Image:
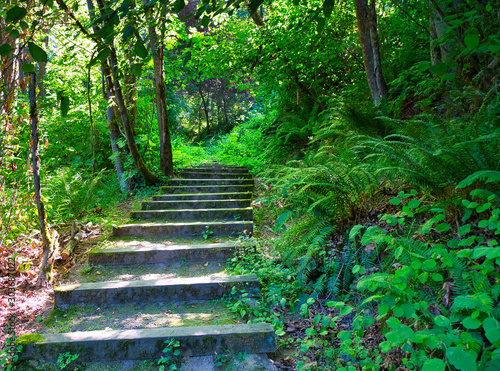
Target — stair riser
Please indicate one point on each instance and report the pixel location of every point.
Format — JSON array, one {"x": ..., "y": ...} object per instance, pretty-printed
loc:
[
  {"x": 174, "y": 230},
  {"x": 177, "y": 205},
  {"x": 207, "y": 189},
  {"x": 215, "y": 170},
  {"x": 213, "y": 175},
  {"x": 203, "y": 196},
  {"x": 180, "y": 215},
  {"x": 159, "y": 256},
  {"x": 148, "y": 344},
  {"x": 209, "y": 182},
  {"x": 150, "y": 294}
]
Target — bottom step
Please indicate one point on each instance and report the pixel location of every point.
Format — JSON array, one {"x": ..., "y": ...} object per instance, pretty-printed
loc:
[{"x": 146, "y": 344}]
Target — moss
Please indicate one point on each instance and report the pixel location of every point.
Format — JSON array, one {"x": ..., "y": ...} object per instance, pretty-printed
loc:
[
  {"x": 54, "y": 313},
  {"x": 29, "y": 339},
  {"x": 95, "y": 251}
]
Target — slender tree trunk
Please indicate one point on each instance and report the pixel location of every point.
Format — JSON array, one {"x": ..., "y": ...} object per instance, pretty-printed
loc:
[
  {"x": 112, "y": 79},
  {"x": 205, "y": 107},
  {"x": 114, "y": 133},
  {"x": 166, "y": 158},
  {"x": 148, "y": 176},
  {"x": 47, "y": 251},
  {"x": 368, "y": 36}
]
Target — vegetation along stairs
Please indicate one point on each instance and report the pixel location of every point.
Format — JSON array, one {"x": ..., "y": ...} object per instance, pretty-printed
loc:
[{"x": 149, "y": 265}]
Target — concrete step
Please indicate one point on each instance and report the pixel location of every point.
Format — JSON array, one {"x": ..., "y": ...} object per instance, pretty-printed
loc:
[
  {"x": 212, "y": 175},
  {"x": 148, "y": 344},
  {"x": 194, "y": 214},
  {"x": 209, "y": 182},
  {"x": 154, "y": 253},
  {"x": 195, "y": 204},
  {"x": 191, "y": 289},
  {"x": 208, "y": 189},
  {"x": 188, "y": 229},
  {"x": 204, "y": 196},
  {"x": 216, "y": 169}
]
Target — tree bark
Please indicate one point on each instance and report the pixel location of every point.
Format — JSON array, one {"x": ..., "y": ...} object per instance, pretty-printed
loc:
[
  {"x": 166, "y": 158},
  {"x": 148, "y": 176},
  {"x": 47, "y": 245},
  {"x": 368, "y": 35},
  {"x": 205, "y": 108},
  {"x": 113, "y": 83}
]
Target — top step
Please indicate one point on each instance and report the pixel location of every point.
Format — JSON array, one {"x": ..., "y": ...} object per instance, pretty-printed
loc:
[
  {"x": 213, "y": 175},
  {"x": 215, "y": 169}
]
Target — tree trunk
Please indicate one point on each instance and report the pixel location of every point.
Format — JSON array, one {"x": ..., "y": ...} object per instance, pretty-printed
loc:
[
  {"x": 148, "y": 176},
  {"x": 111, "y": 75},
  {"x": 205, "y": 107},
  {"x": 114, "y": 135},
  {"x": 47, "y": 248},
  {"x": 166, "y": 158},
  {"x": 368, "y": 35}
]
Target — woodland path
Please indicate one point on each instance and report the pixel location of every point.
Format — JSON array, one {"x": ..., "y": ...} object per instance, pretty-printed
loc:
[{"x": 162, "y": 278}]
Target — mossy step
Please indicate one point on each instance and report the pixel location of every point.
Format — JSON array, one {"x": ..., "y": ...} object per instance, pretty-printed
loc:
[
  {"x": 208, "y": 189},
  {"x": 137, "y": 315},
  {"x": 146, "y": 344},
  {"x": 172, "y": 290},
  {"x": 194, "y": 214},
  {"x": 152, "y": 253},
  {"x": 209, "y": 182},
  {"x": 188, "y": 229},
  {"x": 204, "y": 196},
  {"x": 216, "y": 170},
  {"x": 150, "y": 271},
  {"x": 195, "y": 204},
  {"x": 213, "y": 175}
]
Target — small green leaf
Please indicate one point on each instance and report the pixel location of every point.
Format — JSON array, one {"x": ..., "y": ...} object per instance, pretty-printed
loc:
[
  {"x": 471, "y": 323},
  {"x": 140, "y": 49},
  {"x": 37, "y": 53},
  {"x": 443, "y": 227},
  {"x": 413, "y": 204},
  {"x": 398, "y": 312},
  {"x": 436, "y": 277},
  {"x": 471, "y": 41},
  {"x": 137, "y": 69},
  {"x": 464, "y": 229},
  {"x": 178, "y": 6},
  {"x": 354, "y": 231},
  {"x": 328, "y": 6},
  {"x": 463, "y": 360},
  {"x": 395, "y": 201},
  {"x": 205, "y": 21},
  {"x": 492, "y": 329},
  {"x": 16, "y": 13},
  {"x": 434, "y": 364},
  {"x": 346, "y": 310},
  {"x": 5, "y": 49}
]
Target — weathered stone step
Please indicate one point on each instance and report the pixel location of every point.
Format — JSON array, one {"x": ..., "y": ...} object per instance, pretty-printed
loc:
[
  {"x": 209, "y": 182},
  {"x": 212, "y": 175},
  {"x": 194, "y": 214},
  {"x": 188, "y": 229},
  {"x": 173, "y": 290},
  {"x": 195, "y": 204},
  {"x": 142, "y": 344},
  {"x": 204, "y": 196},
  {"x": 153, "y": 253},
  {"x": 207, "y": 189},
  {"x": 216, "y": 169}
]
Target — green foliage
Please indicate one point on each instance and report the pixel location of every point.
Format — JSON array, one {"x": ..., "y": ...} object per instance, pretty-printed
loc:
[
  {"x": 73, "y": 193},
  {"x": 65, "y": 359},
  {"x": 169, "y": 359}
]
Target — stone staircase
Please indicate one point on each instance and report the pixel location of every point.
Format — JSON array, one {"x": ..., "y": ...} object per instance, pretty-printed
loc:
[{"x": 211, "y": 201}]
